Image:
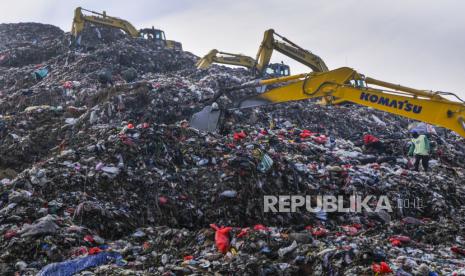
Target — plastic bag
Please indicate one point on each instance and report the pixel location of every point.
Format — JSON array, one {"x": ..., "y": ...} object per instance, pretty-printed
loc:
[
  {"x": 73, "y": 266},
  {"x": 221, "y": 238}
]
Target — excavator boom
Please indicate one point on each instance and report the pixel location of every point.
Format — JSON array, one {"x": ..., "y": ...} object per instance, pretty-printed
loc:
[
  {"x": 100, "y": 19},
  {"x": 215, "y": 56},
  {"x": 288, "y": 48},
  {"x": 348, "y": 85}
]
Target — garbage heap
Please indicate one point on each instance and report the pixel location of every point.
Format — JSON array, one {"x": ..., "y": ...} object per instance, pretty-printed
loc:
[{"x": 100, "y": 174}]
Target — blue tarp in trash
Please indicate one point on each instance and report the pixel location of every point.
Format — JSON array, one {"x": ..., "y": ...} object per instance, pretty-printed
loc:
[
  {"x": 70, "y": 267},
  {"x": 41, "y": 73}
]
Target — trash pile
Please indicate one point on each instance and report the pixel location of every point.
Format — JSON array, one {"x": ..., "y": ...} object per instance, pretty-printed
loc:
[{"x": 101, "y": 173}]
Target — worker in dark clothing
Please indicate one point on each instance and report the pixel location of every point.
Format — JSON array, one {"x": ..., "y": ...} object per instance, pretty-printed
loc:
[
  {"x": 373, "y": 143},
  {"x": 420, "y": 148}
]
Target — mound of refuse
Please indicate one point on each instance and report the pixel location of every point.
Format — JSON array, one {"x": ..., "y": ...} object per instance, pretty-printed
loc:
[{"x": 100, "y": 173}]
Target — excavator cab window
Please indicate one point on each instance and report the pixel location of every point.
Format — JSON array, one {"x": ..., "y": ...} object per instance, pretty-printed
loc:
[
  {"x": 285, "y": 71},
  {"x": 278, "y": 70},
  {"x": 153, "y": 34},
  {"x": 269, "y": 71},
  {"x": 160, "y": 35},
  {"x": 358, "y": 83}
]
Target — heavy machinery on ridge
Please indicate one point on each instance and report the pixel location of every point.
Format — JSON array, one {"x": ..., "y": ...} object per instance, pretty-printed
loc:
[
  {"x": 287, "y": 48},
  {"x": 215, "y": 56},
  {"x": 261, "y": 66},
  {"x": 102, "y": 19}
]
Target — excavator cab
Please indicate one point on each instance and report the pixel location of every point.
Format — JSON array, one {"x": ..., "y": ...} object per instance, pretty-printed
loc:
[
  {"x": 277, "y": 70},
  {"x": 159, "y": 37},
  {"x": 152, "y": 33},
  {"x": 156, "y": 35}
]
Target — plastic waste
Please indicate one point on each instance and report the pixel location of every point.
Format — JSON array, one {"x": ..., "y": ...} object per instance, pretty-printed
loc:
[
  {"x": 68, "y": 268},
  {"x": 285, "y": 250},
  {"x": 381, "y": 268},
  {"x": 265, "y": 163},
  {"x": 221, "y": 238}
]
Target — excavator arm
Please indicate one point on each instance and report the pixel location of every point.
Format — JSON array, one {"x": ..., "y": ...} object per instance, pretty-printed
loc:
[
  {"x": 100, "y": 19},
  {"x": 346, "y": 84},
  {"x": 288, "y": 48},
  {"x": 103, "y": 19},
  {"x": 215, "y": 56}
]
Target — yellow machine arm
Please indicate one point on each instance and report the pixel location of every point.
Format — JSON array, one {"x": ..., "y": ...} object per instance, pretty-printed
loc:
[
  {"x": 346, "y": 84},
  {"x": 114, "y": 22},
  {"x": 289, "y": 49},
  {"x": 100, "y": 19},
  {"x": 215, "y": 56}
]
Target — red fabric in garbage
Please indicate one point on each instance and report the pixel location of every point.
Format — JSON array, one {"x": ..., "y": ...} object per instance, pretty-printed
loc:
[
  {"x": 399, "y": 240},
  {"x": 243, "y": 232},
  {"x": 457, "y": 250},
  {"x": 221, "y": 237},
  {"x": 9, "y": 234},
  {"x": 368, "y": 139},
  {"x": 381, "y": 268},
  {"x": 319, "y": 232},
  {"x": 305, "y": 133},
  {"x": 321, "y": 139},
  {"x": 89, "y": 238},
  {"x": 94, "y": 250},
  {"x": 239, "y": 135},
  {"x": 259, "y": 227},
  {"x": 68, "y": 85},
  {"x": 162, "y": 200}
]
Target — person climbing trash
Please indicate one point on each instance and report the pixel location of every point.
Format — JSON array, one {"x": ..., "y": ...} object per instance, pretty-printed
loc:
[
  {"x": 372, "y": 143},
  {"x": 420, "y": 148}
]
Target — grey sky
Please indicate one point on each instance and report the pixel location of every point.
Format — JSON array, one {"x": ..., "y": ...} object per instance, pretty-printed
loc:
[{"x": 417, "y": 43}]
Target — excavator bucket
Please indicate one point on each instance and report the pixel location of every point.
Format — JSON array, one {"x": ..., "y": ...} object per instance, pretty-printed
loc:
[{"x": 207, "y": 119}]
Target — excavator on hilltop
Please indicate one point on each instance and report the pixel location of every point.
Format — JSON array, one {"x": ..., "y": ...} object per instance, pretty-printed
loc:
[
  {"x": 348, "y": 85},
  {"x": 261, "y": 66},
  {"x": 102, "y": 19},
  {"x": 215, "y": 56},
  {"x": 287, "y": 48}
]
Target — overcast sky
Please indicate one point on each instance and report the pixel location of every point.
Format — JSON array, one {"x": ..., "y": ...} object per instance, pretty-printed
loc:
[{"x": 417, "y": 43}]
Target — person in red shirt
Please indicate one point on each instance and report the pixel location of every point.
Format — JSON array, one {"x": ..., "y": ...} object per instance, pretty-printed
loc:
[{"x": 372, "y": 143}]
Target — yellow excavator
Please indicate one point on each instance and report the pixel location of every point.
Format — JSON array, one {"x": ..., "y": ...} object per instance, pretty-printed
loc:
[
  {"x": 102, "y": 19},
  {"x": 261, "y": 66},
  {"x": 287, "y": 48},
  {"x": 348, "y": 85},
  {"x": 215, "y": 56}
]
